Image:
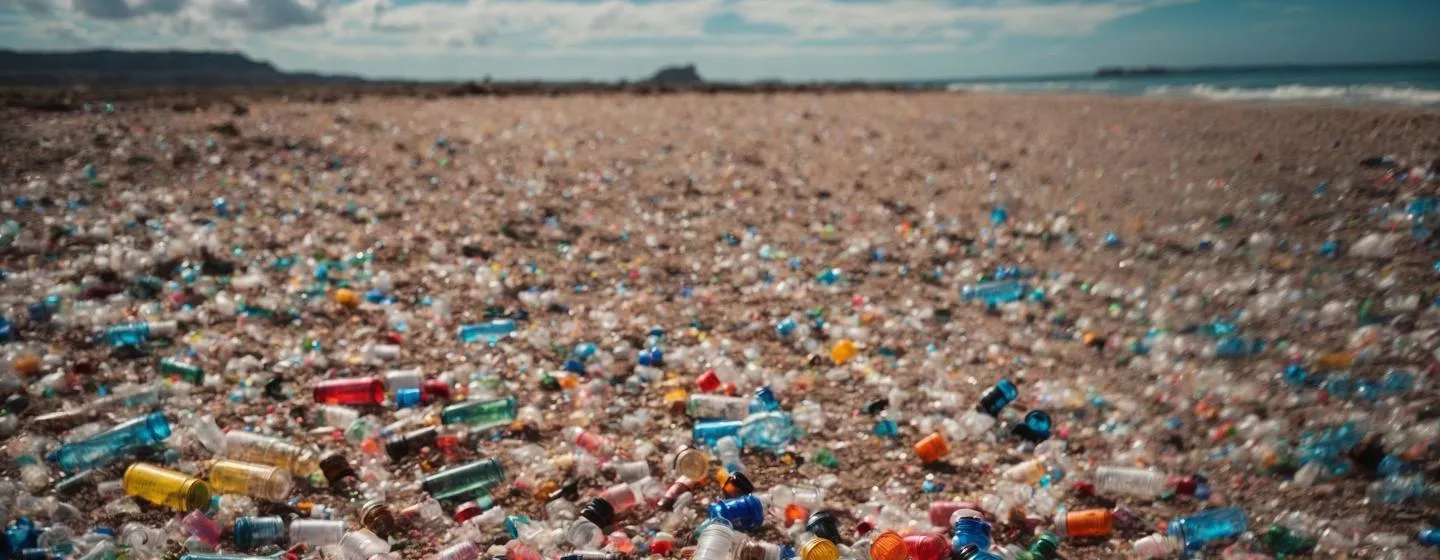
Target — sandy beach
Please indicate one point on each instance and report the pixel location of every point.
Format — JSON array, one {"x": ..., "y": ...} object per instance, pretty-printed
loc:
[{"x": 604, "y": 216}]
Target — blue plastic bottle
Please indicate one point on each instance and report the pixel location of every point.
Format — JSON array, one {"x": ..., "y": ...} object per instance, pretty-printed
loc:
[
  {"x": 255, "y": 532},
  {"x": 970, "y": 531},
  {"x": 1429, "y": 537},
  {"x": 1209, "y": 525},
  {"x": 994, "y": 293},
  {"x": 490, "y": 331},
  {"x": 707, "y": 433},
  {"x": 767, "y": 430},
  {"x": 1236, "y": 347},
  {"x": 994, "y": 399},
  {"x": 131, "y": 334},
  {"x": 764, "y": 401},
  {"x": 744, "y": 513},
  {"x": 111, "y": 445}
]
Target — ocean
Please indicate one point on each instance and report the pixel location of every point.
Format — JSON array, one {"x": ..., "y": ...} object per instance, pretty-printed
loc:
[{"x": 1415, "y": 85}]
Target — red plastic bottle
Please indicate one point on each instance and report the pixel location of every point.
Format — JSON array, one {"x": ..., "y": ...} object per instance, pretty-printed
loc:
[
  {"x": 927, "y": 546},
  {"x": 354, "y": 391}
]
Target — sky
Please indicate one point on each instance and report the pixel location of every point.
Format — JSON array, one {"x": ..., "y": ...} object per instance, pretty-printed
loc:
[{"x": 737, "y": 40}]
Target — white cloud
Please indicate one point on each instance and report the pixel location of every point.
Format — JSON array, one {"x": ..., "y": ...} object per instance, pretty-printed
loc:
[{"x": 357, "y": 29}]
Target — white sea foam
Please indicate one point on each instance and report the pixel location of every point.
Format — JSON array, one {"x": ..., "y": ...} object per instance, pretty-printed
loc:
[
  {"x": 1360, "y": 94},
  {"x": 1352, "y": 94}
]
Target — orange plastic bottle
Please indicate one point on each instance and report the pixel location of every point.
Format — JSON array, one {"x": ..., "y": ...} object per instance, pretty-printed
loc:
[{"x": 931, "y": 449}]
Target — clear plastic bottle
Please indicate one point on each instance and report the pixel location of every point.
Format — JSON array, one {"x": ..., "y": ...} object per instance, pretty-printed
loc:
[
  {"x": 717, "y": 407},
  {"x": 464, "y": 550},
  {"x": 1157, "y": 546},
  {"x": 727, "y": 450},
  {"x": 249, "y": 479},
  {"x": 1124, "y": 481},
  {"x": 250, "y": 447},
  {"x": 362, "y": 545},
  {"x": 716, "y": 542},
  {"x": 316, "y": 532}
]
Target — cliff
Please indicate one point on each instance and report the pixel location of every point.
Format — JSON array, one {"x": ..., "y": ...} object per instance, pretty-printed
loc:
[{"x": 147, "y": 68}]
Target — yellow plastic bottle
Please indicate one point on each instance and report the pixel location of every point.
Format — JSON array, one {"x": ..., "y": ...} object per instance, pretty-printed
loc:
[{"x": 164, "y": 487}]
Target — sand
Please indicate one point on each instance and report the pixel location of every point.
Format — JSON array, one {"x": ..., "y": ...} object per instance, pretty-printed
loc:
[{"x": 619, "y": 204}]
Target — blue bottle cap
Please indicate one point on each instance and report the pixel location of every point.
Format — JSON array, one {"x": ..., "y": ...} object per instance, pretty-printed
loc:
[{"x": 406, "y": 398}]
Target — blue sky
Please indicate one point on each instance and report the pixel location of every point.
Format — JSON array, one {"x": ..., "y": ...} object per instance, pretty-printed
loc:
[{"x": 738, "y": 39}]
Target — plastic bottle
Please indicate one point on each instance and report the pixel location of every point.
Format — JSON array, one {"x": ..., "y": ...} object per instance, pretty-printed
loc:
[
  {"x": 1084, "y": 523},
  {"x": 767, "y": 430},
  {"x": 996, "y": 398},
  {"x": 254, "y": 532},
  {"x": 114, "y": 444},
  {"x": 249, "y": 479},
  {"x": 406, "y": 444},
  {"x": 717, "y": 407},
  {"x": 818, "y": 548},
  {"x": 1429, "y": 537},
  {"x": 588, "y": 530},
  {"x": 1125, "y": 481},
  {"x": 354, "y": 391},
  {"x": 131, "y": 334},
  {"x": 1031, "y": 471},
  {"x": 1045, "y": 547},
  {"x": 970, "y": 530},
  {"x": 743, "y": 513},
  {"x": 362, "y": 544},
  {"x": 248, "y": 447},
  {"x": 481, "y": 414},
  {"x": 202, "y": 528},
  {"x": 591, "y": 442},
  {"x": 727, "y": 450},
  {"x": 753, "y": 549},
  {"x": 164, "y": 487},
  {"x": 1157, "y": 546},
  {"x": 464, "y": 550},
  {"x": 186, "y": 371},
  {"x": 490, "y": 331},
  {"x": 691, "y": 463},
  {"x": 889, "y": 545},
  {"x": 375, "y": 515},
  {"x": 715, "y": 542},
  {"x": 316, "y": 532},
  {"x": 995, "y": 293},
  {"x": 940, "y": 512},
  {"x": 1210, "y": 525},
  {"x": 465, "y": 479},
  {"x": 927, "y": 546},
  {"x": 807, "y": 496},
  {"x": 707, "y": 433},
  {"x": 932, "y": 448}
]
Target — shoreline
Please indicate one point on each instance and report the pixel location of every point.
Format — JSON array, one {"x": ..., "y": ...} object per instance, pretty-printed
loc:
[{"x": 73, "y": 99}]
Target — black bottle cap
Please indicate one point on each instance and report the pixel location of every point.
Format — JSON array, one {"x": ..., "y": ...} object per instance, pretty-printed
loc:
[
  {"x": 599, "y": 511},
  {"x": 825, "y": 525},
  {"x": 738, "y": 485}
]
